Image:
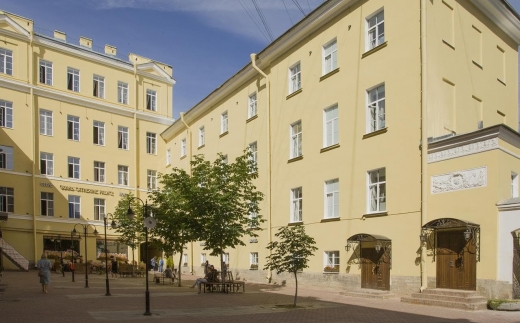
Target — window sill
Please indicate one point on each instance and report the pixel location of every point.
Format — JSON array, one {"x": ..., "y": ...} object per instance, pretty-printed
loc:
[
  {"x": 322, "y": 150},
  {"x": 448, "y": 44},
  {"x": 499, "y": 80},
  {"x": 169, "y": 165},
  {"x": 477, "y": 65},
  {"x": 201, "y": 146},
  {"x": 330, "y": 220},
  {"x": 294, "y": 93},
  {"x": 329, "y": 74},
  {"x": 182, "y": 157},
  {"x": 223, "y": 134},
  {"x": 375, "y": 214},
  {"x": 375, "y": 49},
  {"x": 292, "y": 160},
  {"x": 331, "y": 272},
  {"x": 375, "y": 133},
  {"x": 295, "y": 223},
  {"x": 253, "y": 268},
  {"x": 252, "y": 118}
]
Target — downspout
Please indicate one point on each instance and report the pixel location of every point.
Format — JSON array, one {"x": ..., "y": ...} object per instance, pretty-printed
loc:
[
  {"x": 189, "y": 156},
  {"x": 268, "y": 132},
  {"x": 424, "y": 144},
  {"x": 30, "y": 53}
]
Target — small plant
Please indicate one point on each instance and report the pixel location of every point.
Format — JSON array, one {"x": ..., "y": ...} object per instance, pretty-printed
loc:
[
  {"x": 331, "y": 269},
  {"x": 253, "y": 266},
  {"x": 185, "y": 264},
  {"x": 495, "y": 303}
]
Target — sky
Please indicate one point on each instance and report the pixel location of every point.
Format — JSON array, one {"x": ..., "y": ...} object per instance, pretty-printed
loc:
[{"x": 205, "y": 41}]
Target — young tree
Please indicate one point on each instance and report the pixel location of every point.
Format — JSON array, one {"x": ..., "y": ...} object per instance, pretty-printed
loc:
[{"x": 291, "y": 253}]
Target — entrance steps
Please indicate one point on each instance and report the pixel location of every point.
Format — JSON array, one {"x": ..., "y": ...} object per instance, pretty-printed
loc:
[
  {"x": 452, "y": 298},
  {"x": 13, "y": 255},
  {"x": 370, "y": 293}
]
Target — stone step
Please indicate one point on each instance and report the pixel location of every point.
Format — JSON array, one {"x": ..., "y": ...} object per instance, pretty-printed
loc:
[
  {"x": 445, "y": 303},
  {"x": 466, "y": 299},
  {"x": 373, "y": 294},
  {"x": 451, "y": 292}
]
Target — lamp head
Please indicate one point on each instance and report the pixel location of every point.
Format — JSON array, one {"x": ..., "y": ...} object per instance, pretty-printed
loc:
[
  {"x": 467, "y": 234},
  {"x": 378, "y": 246},
  {"x": 74, "y": 231},
  {"x": 113, "y": 224},
  {"x": 347, "y": 247},
  {"x": 96, "y": 232},
  {"x": 130, "y": 214},
  {"x": 423, "y": 238}
]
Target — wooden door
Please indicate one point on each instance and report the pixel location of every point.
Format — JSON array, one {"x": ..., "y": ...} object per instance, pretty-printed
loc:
[
  {"x": 456, "y": 261},
  {"x": 516, "y": 268},
  {"x": 375, "y": 269}
]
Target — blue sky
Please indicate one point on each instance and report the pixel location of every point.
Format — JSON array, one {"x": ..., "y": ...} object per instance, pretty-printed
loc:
[{"x": 205, "y": 41}]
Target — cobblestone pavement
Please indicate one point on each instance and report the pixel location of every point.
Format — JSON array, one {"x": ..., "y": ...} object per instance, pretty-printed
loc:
[{"x": 71, "y": 302}]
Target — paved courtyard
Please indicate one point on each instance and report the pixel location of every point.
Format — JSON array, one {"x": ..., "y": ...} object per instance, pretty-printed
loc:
[{"x": 69, "y": 302}]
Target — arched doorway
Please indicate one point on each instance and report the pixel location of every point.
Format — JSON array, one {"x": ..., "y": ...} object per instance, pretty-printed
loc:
[{"x": 516, "y": 263}]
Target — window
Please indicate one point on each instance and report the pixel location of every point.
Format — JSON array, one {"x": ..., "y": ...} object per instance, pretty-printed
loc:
[
  {"x": 251, "y": 110},
  {"x": 73, "y": 79},
  {"x": 98, "y": 87},
  {"x": 151, "y": 100},
  {"x": 45, "y": 122},
  {"x": 375, "y": 30},
  {"x": 168, "y": 157},
  {"x": 514, "y": 184},
  {"x": 377, "y": 190},
  {"x": 151, "y": 141},
  {"x": 224, "y": 122},
  {"x": 46, "y": 163},
  {"x": 331, "y": 135},
  {"x": 73, "y": 167},
  {"x": 74, "y": 207},
  {"x": 376, "y": 108},
  {"x": 183, "y": 147},
  {"x": 6, "y": 157},
  {"x": 45, "y": 72},
  {"x": 122, "y": 92},
  {"x": 202, "y": 138},
  {"x": 253, "y": 149},
  {"x": 73, "y": 128},
  {"x": 99, "y": 209},
  {"x": 152, "y": 179},
  {"x": 6, "y": 199},
  {"x": 295, "y": 78},
  {"x": 6, "y": 114},
  {"x": 122, "y": 175},
  {"x": 47, "y": 204},
  {"x": 332, "y": 199},
  {"x": 122, "y": 137},
  {"x": 99, "y": 133},
  {"x": 331, "y": 259},
  {"x": 253, "y": 260},
  {"x": 253, "y": 215},
  {"x": 296, "y": 139},
  {"x": 6, "y": 61},
  {"x": 99, "y": 172},
  {"x": 225, "y": 259},
  {"x": 203, "y": 258},
  {"x": 330, "y": 57},
  {"x": 296, "y": 204},
  {"x": 185, "y": 260}
]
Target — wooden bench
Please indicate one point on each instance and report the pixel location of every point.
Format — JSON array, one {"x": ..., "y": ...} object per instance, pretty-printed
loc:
[
  {"x": 235, "y": 285},
  {"x": 214, "y": 284},
  {"x": 161, "y": 277}
]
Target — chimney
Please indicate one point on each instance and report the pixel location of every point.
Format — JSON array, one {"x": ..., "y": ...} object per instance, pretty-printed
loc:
[
  {"x": 85, "y": 42},
  {"x": 110, "y": 50},
  {"x": 60, "y": 35}
]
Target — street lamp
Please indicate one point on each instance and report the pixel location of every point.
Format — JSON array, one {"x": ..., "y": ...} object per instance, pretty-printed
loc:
[
  {"x": 58, "y": 240},
  {"x": 71, "y": 266},
  {"x": 85, "y": 227},
  {"x": 113, "y": 225},
  {"x": 148, "y": 223}
]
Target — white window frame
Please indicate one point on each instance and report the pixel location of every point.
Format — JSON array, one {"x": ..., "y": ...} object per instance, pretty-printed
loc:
[
  {"x": 46, "y": 122},
  {"x": 203, "y": 258},
  {"x": 74, "y": 164},
  {"x": 99, "y": 133},
  {"x": 183, "y": 147},
  {"x": 252, "y": 108},
  {"x": 168, "y": 157},
  {"x": 151, "y": 100},
  {"x": 296, "y": 205},
  {"x": 99, "y": 209},
  {"x": 376, "y": 108},
  {"x": 331, "y": 199},
  {"x": 330, "y": 126},
  {"x": 253, "y": 259},
  {"x": 73, "y": 128},
  {"x": 225, "y": 258},
  {"x": 46, "y": 204},
  {"x": 514, "y": 185},
  {"x": 151, "y": 181},
  {"x": 6, "y": 199},
  {"x": 376, "y": 203},
  {"x": 331, "y": 258},
  {"x": 45, "y": 72},
  {"x": 185, "y": 260},
  {"x": 74, "y": 207},
  {"x": 122, "y": 138},
  {"x": 99, "y": 171},
  {"x": 122, "y": 175},
  {"x": 6, "y": 61},
  {"x": 73, "y": 80},
  {"x": 296, "y": 139},
  {"x": 98, "y": 86},
  {"x": 224, "y": 122},
  {"x": 6, "y": 157},
  {"x": 330, "y": 55},
  {"x": 375, "y": 35},
  {"x": 295, "y": 78},
  {"x": 6, "y": 114},
  {"x": 253, "y": 148},
  {"x": 47, "y": 160},
  {"x": 122, "y": 92},
  {"x": 202, "y": 136},
  {"x": 151, "y": 143}
]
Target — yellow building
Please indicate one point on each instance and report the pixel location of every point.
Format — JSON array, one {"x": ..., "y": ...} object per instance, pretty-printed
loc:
[
  {"x": 79, "y": 128},
  {"x": 368, "y": 176}
]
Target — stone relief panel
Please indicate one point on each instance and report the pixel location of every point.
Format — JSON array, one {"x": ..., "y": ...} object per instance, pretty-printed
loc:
[
  {"x": 461, "y": 180},
  {"x": 464, "y": 150}
]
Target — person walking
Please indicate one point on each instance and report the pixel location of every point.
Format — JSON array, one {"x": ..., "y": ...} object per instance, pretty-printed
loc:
[
  {"x": 44, "y": 272},
  {"x": 115, "y": 268},
  {"x": 161, "y": 265},
  {"x": 153, "y": 263}
]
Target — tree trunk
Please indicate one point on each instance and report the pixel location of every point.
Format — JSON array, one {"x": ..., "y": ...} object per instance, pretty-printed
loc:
[
  {"x": 296, "y": 291},
  {"x": 179, "y": 270}
]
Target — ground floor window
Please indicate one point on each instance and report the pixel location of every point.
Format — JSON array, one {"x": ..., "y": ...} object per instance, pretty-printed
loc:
[{"x": 117, "y": 249}]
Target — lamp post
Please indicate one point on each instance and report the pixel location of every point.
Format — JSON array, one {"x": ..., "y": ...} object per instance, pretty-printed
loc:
[
  {"x": 113, "y": 225},
  {"x": 61, "y": 253},
  {"x": 72, "y": 267},
  {"x": 85, "y": 227},
  {"x": 131, "y": 215}
]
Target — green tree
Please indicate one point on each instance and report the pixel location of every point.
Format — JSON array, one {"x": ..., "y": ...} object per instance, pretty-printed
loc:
[{"x": 291, "y": 253}]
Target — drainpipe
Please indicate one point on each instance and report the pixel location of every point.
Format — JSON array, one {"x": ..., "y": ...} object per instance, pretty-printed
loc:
[
  {"x": 189, "y": 156},
  {"x": 35, "y": 143},
  {"x": 424, "y": 144},
  {"x": 268, "y": 132}
]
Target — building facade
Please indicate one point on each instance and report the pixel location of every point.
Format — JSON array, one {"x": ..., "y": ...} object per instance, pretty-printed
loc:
[
  {"x": 79, "y": 128},
  {"x": 386, "y": 129}
]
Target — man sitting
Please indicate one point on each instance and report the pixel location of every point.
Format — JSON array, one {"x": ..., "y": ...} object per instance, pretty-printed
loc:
[{"x": 207, "y": 277}]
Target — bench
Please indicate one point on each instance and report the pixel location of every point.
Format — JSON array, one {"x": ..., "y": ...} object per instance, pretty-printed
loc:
[
  {"x": 214, "y": 284},
  {"x": 233, "y": 284},
  {"x": 161, "y": 277}
]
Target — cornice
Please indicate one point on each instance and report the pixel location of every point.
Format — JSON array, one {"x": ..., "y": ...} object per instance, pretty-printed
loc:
[
  {"x": 4, "y": 171},
  {"x": 502, "y": 15},
  {"x": 141, "y": 68},
  {"x": 22, "y": 33},
  {"x": 77, "y": 181}
]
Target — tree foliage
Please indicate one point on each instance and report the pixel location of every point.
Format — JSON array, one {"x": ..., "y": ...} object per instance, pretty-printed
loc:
[{"x": 131, "y": 232}]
